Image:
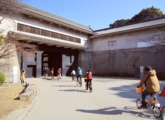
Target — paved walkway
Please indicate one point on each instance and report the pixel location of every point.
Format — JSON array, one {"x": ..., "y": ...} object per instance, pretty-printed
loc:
[{"x": 111, "y": 99}]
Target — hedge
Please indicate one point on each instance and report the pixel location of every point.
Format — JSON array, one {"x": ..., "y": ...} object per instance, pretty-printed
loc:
[{"x": 2, "y": 78}]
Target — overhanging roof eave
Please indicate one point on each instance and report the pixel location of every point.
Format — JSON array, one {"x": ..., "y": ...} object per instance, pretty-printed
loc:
[{"x": 124, "y": 31}]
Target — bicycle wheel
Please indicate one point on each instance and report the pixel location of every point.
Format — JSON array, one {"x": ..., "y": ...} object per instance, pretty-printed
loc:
[
  {"x": 157, "y": 112},
  {"x": 86, "y": 87},
  {"x": 163, "y": 113},
  {"x": 77, "y": 83},
  {"x": 90, "y": 88},
  {"x": 80, "y": 83},
  {"x": 139, "y": 103}
]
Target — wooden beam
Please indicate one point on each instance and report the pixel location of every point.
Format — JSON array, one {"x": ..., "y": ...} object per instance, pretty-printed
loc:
[
  {"x": 40, "y": 43},
  {"x": 58, "y": 45},
  {"x": 66, "y": 47},
  {"x": 49, "y": 44},
  {"x": 28, "y": 41},
  {"x": 73, "y": 48},
  {"x": 30, "y": 16}
]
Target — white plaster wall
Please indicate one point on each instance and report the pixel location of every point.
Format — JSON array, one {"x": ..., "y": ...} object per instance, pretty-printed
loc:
[
  {"x": 124, "y": 41},
  {"x": 6, "y": 25},
  {"x": 46, "y": 26}
]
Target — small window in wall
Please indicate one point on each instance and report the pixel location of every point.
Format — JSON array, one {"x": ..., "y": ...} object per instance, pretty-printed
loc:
[{"x": 111, "y": 43}]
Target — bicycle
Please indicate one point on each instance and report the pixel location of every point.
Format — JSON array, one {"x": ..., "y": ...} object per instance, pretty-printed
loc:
[
  {"x": 89, "y": 85},
  {"x": 58, "y": 77},
  {"x": 152, "y": 103},
  {"x": 163, "y": 113},
  {"x": 162, "y": 94},
  {"x": 79, "y": 82}
]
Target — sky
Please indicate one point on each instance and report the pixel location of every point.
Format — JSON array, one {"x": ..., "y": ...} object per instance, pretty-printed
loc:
[{"x": 97, "y": 14}]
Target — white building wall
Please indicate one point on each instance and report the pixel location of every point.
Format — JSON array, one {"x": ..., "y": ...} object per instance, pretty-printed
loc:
[
  {"x": 13, "y": 20},
  {"x": 126, "y": 40},
  {"x": 6, "y": 25},
  {"x": 9, "y": 23}
]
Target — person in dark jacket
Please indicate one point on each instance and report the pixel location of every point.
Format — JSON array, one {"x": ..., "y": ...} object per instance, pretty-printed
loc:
[
  {"x": 45, "y": 72},
  {"x": 152, "y": 84},
  {"x": 48, "y": 71},
  {"x": 88, "y": 77}
]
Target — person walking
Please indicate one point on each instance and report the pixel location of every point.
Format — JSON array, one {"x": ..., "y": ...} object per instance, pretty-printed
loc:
[
  {"x": 45, "y": 71},
  {"x": 48, "y": 71},
  {"x": 52, "y": 73},
  {"x": 73, "y": 73},
  {"x": 22, "y": 77}
]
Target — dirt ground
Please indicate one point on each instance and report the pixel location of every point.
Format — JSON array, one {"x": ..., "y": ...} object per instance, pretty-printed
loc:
[{"x": 9, "y": 98}]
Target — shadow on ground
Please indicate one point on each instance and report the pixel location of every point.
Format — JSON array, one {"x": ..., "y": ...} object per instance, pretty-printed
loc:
[
  {"x": 129, "y": 92},
  {"x": 116, "y": 111},
  {"x": 126, "y": 91},
  {"x": 73, "y": 90},
  {"x": 64, "y": 86}
]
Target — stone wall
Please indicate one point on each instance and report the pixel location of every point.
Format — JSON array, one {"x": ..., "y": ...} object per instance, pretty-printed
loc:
[
  {"x": 6, "y": 66},
  {"x": 124, "y": 60}
]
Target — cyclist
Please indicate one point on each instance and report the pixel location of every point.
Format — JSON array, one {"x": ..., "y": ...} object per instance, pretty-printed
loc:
[
  {"x": 151, "y": 82},
  {"x": 88, "y": 75},
  {"x": 79, "y": 74},
  {"x": 73, "y": 73}
]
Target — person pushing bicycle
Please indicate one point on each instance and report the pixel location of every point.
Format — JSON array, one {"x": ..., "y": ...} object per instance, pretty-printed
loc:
[
  {"x": 88, "y": 75},
  {"x": 151, "y": 83}
]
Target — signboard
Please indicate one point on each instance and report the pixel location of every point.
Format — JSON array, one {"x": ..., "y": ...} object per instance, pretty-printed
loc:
[{"x": 15, "y": 74}]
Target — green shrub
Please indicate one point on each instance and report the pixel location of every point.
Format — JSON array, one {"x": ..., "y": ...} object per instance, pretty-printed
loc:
[{"x": 2, "y": 78}]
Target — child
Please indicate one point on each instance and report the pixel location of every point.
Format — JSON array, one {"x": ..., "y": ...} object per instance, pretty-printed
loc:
[
  {"x": 73, "y": 73},
  {"x": 22, "y": 77},
  {"x": 52, "y": 73}
]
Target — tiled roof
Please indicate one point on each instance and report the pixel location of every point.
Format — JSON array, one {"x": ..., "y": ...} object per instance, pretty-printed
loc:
[
  {"x": 34, "y": 12},
  {"x": 133, "y": 27}
]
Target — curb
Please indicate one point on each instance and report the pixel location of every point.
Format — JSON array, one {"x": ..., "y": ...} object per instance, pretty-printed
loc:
[{"x": 20, "y": 117}]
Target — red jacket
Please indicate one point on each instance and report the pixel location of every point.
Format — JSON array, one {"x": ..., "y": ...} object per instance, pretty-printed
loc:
[
  {"x": 58, "y": 71},
  {"x": 88, "y": 75}
]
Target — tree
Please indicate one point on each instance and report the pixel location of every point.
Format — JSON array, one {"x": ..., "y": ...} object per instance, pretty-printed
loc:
[
  {"x": 118, "y": 23},
  {"x": 147, "y": 14},
  {"x": 143, "y": 15}
]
